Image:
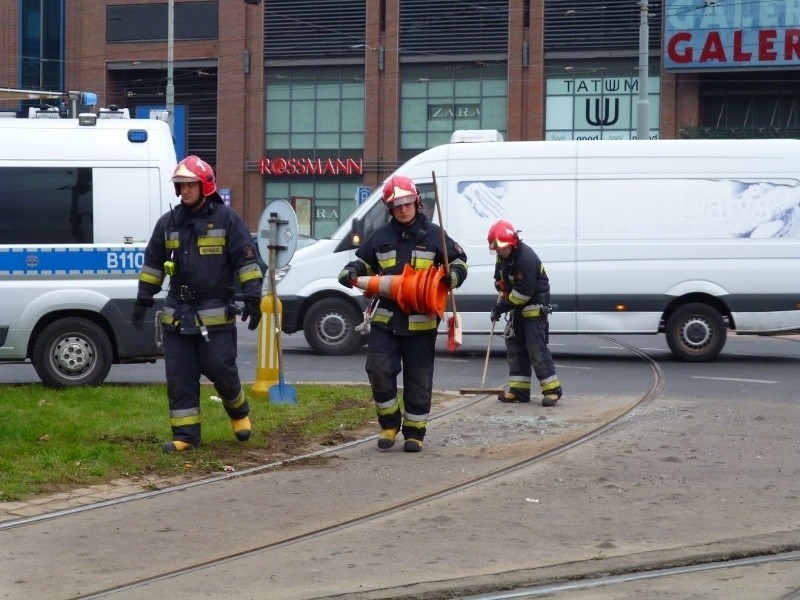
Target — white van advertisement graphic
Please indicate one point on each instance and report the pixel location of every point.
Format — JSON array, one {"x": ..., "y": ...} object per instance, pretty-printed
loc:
[{"x": 664, "y": 208}]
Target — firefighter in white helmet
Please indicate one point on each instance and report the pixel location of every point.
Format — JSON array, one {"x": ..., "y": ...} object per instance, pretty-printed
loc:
[
  {"x": 524, "y": 288},
  {"x": 201, "y": 245},
  {"x": 398, "y": 341}
]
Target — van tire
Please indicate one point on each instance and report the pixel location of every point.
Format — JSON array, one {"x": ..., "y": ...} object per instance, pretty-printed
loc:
[
  {"x": 330, "y": 327},
  {"x": 696, "y": 333},
  {"x": 72, "y": 352}
]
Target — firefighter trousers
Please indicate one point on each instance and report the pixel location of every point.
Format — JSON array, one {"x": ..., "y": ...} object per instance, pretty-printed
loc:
[
  {"x": 187, "y": 357},
  {"x": 388, "y": 355},
  {"x": 528, "y": 348}
]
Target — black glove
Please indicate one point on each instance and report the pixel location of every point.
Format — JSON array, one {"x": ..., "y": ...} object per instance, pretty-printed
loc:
[
  {"x": 252, "y": 311},
  {"x": 450, "y": 279},
  {"x": 347, "y": 276},
  {"x": 496, "y": 313},
  {"x": 139, "y": 310}
]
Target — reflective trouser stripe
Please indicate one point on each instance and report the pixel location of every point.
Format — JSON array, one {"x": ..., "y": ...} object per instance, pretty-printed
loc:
[
  {"x": 190, "y": 416},
  {"x": 387, "y": 408}
]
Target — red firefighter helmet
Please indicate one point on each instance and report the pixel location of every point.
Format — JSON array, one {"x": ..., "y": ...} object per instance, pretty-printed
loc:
[
  {"x": 399, "y": 190},
  {"x": 501, "y": 234},
  {"x": 192, "y": 169}
]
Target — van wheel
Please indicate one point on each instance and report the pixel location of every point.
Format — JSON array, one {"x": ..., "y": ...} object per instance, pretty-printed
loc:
[
  {"x": 330, "y": 327},
  {"x": 71, "y": 352},
  {"x": 695, "y": 333}
]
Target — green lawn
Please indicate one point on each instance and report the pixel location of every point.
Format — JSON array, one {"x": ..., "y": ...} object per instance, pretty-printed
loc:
[{"x": 56, "y": 439}]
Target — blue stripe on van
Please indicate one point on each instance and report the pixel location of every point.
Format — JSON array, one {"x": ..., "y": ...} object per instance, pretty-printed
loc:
[{"x": 71, "y": 261}]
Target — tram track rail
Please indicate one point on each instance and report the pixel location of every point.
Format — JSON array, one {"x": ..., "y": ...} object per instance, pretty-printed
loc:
[
  {"x": 644, "y": 570},
  {"x": 656, "y": 384}
]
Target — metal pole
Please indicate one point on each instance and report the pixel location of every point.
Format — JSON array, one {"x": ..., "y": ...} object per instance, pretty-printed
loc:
[
  {"x": 170, "y": 61},
  {"x": 643, "y": 105}
]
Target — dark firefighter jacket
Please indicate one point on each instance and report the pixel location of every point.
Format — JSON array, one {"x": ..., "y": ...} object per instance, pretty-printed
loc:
[
  {"x": 524, "y": 282},
  {"x": 391, "y": 247},
  {"x": 208, "y": 249}
]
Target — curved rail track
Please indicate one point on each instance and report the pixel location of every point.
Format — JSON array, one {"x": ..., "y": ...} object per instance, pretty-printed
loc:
[{"x": 657, "y": 382}]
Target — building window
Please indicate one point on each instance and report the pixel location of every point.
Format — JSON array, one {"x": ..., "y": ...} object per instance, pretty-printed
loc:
[
  {"x": 597, "y": 107},
  {"x": 315, "y": 109},
  {"x": 148, "y": 22},
  {"x": 41, "y": 44},
  {"x": 439, "y": 99},
  {"x": 316, "y": 113}
]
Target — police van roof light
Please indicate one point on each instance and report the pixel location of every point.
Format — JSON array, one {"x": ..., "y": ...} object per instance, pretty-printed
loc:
[
  {"x": 88, "y": 98},
  {"x": 137, "y": 136}
]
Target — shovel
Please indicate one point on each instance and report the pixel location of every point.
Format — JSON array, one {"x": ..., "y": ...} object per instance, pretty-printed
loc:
[{"x": 281, "y": 393}]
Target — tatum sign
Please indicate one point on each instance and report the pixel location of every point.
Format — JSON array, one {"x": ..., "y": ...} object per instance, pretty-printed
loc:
[{"x": 736, "y": 34}]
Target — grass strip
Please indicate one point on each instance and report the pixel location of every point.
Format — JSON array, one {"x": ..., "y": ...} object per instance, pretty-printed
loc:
[{"x": 58, "y": 439}]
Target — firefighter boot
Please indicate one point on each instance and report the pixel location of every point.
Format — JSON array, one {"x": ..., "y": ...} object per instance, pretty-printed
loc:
[
  {"x": 412, "y": 445},
  {"x": 511, "y": 397},
  {"x": 550, "y": 399},
  {"x": 386, "y": 438},
  {"x": 241, "y": 428},
  {"x": 175, "y": 446}
]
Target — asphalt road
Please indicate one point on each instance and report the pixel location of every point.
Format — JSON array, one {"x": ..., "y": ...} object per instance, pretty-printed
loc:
[{"x": 464, "y": 367}]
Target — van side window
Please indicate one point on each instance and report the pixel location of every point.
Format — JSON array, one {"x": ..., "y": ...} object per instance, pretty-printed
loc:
[
  {"x": 428, "y": 201},
  {"x": 47, "y": 205}
]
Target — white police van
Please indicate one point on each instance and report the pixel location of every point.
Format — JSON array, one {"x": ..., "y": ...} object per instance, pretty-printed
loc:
[
  {"x": 689, "y": 238},
  {"x": 79, "y": 198}
]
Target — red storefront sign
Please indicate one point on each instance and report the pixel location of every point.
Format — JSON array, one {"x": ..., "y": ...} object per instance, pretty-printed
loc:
[
  {"x": 310, "y": 166},
  {"x": 760, "y": 47}
]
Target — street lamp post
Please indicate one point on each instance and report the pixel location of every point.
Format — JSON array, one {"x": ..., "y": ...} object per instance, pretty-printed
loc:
[
  {"x": 170, "y": 61},
  {"x": 643, "y": 105}
]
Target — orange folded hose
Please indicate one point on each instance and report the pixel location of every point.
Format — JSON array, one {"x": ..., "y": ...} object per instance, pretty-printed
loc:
[{"x": 414, "y": 291}]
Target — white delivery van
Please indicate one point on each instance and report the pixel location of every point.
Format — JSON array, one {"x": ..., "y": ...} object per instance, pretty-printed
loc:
[
  {"x": 686, "y": 237},
  {"x": 79, "y": 198}
]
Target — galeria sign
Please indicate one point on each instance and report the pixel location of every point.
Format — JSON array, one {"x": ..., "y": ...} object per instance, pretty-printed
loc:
[{"x": 715, "y": 35}]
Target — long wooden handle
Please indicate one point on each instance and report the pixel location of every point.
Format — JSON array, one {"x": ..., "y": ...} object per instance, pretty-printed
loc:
[
  {"x": 488, "y": 349},
  {"x": 444, "y": 238}
]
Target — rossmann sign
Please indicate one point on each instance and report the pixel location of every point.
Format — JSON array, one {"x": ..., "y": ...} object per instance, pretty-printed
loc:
[
  {"x": 310, "y": 166},
  {"x": 731, "y": 34}
]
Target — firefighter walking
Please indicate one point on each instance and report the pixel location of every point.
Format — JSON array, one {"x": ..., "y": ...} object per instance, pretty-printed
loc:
[
  {"x": 202, "y": 245},
  {"x": 524, "y": 288},
  {"x": 398, "y": 341}
]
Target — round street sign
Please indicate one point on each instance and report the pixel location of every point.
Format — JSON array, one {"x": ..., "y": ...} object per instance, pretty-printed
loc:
[{"x": 277, "y": 227}]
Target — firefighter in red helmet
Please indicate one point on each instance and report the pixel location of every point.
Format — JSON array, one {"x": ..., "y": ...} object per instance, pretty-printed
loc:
[
  {"x": 398, "y": 341},
  {"x": 201, "y": 245},
  {"x": 524, "y": 288}
]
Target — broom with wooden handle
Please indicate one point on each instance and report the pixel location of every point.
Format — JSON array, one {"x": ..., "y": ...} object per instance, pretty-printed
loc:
[
  {"x": 454, "y": 333},
  {"x": 483, "y": 390}
]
